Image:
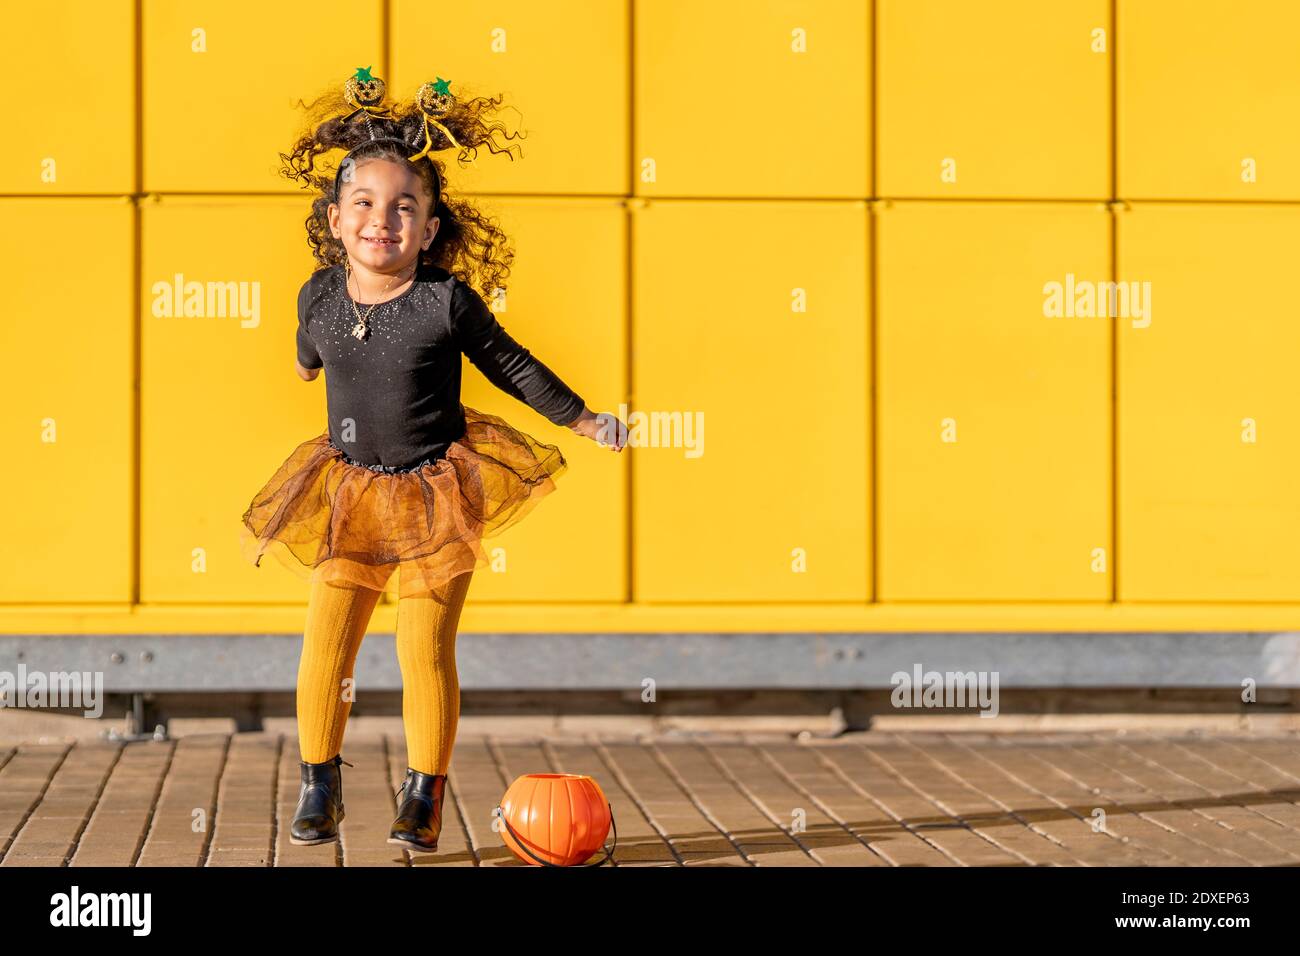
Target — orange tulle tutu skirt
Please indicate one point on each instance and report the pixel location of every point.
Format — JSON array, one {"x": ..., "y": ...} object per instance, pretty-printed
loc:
[{"x": 328, "y": 519}]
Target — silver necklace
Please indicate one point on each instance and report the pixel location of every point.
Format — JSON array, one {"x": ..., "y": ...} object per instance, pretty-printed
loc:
[{"x": 362, "y": 328}]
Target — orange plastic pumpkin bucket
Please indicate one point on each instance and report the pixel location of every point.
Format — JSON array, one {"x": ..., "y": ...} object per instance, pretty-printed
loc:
[{"x": 556, "y": 819}]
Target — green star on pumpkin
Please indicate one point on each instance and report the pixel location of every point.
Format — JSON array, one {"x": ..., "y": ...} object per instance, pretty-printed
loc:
[
  {"x": 442, "y": 87},
  {"x": 363, "y": 75}
]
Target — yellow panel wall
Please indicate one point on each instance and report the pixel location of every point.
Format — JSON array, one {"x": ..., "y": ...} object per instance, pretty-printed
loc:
[
  {"x": 733, "y": 98},
  {"x": 562, "y": 68},
  {"x": 995, "y": 442},
  {"x": 222, "y": 83},
  {"x": 567, "y": 303},
  {"x": 742, "y": 139},
  {"x": 1208, "y": 99},
  {"x": 67, "y": 429},
  {"x": 220, "y": 403},
  {"x": 70, "y": 126},
  {"x": 759, "y": 491},
  {"x": 1209, "y": 422},
  {"x": 1001, "y": 99}
]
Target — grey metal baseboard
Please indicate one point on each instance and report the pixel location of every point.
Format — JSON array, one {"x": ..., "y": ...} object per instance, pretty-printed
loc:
[{"x": 269, "y": 662}]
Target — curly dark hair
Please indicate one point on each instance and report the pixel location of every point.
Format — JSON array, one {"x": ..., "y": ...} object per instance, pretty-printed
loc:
[{"x": 468, "y": 244}]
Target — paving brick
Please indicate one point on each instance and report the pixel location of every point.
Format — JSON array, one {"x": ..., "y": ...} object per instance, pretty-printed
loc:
[{"x": 1099, "y": 793}]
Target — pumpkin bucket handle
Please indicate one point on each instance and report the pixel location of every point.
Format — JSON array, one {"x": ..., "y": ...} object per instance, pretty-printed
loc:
[{"x": 609, "y": 849}]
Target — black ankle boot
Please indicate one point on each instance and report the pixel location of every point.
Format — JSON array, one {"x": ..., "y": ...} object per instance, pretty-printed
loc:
[
  {"x": 320, "y": 803},
  {"x": 419, "y": 815}
]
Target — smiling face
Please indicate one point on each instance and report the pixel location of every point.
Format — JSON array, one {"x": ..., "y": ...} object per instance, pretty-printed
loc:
[{"x": 382, "y": 216}]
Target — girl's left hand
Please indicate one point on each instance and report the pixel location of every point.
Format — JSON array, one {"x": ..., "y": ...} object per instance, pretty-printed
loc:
[{"x": 604, "y": 429}]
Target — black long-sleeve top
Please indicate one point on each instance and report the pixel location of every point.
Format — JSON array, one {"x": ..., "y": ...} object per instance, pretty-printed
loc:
[{"x": 394, "y": 399}]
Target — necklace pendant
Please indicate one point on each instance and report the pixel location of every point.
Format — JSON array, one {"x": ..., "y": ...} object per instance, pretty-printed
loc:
[{"x": 359, "y": 330}]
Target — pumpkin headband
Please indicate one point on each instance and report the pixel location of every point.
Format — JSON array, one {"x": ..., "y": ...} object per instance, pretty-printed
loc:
[{"x": 365, "y": 92}]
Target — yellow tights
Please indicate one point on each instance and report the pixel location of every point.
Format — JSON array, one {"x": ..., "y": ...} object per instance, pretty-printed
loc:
[{"x": 337, "y": 616}]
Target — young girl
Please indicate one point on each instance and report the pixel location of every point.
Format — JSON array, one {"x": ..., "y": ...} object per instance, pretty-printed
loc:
[{"x": 405, "y": 477}]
